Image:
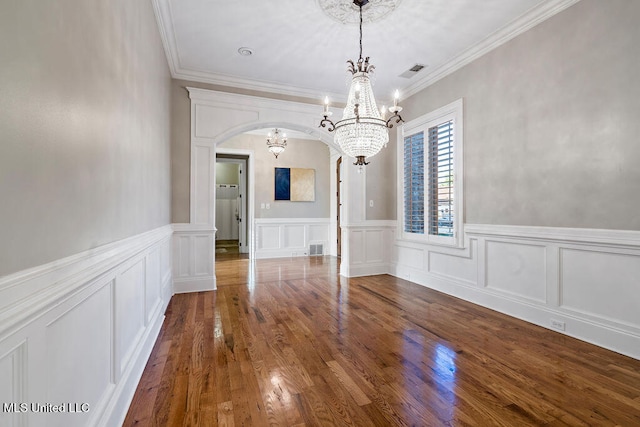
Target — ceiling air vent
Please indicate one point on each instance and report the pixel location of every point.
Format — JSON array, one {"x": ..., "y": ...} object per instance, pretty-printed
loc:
[{"x": 412, "y": 71}]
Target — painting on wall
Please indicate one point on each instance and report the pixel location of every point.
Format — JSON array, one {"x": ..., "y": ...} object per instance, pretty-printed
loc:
[{"x": 295, "y": 184}]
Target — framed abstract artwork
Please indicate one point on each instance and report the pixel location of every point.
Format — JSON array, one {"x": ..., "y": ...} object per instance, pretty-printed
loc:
[{"x": 295, "y": 184}]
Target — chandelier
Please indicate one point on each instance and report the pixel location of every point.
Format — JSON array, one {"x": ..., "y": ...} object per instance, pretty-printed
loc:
[
  {"x": 363, "y": 130},
  {"x": 275, "y": 144}
]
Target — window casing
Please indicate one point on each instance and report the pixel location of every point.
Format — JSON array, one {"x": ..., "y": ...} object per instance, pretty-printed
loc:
[{"x": 430, "y": 169}]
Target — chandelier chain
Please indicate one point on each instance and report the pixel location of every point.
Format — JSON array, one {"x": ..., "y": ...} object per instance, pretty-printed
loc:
[{"x": 360, "y": 33}]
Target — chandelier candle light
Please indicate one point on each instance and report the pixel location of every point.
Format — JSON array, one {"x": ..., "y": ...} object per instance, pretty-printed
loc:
[
  {"x": 363, "y": 130},
  {"x": 275, "y": 144}
]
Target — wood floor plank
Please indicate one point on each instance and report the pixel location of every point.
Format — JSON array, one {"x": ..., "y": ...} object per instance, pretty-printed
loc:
[
  {"x": 225, "y": 414},
  {"x": 347, "y": 382},
  {"x": 291, "y": 343}
]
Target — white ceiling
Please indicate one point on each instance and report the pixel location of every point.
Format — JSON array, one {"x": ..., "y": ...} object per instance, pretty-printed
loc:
[{"x": 298, "y": 50}]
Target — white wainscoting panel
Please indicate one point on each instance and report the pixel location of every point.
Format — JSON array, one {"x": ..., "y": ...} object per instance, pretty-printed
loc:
[
  {"x": 182, "y": 256},
  {"x": 462, "y": 268},
  {"x": 13, "y": 385},
  {"x": 375, "y": 249},
  {"x": 603, "y": 284},
  {"x": 413, "y": 258},
  {"x": 129, "y": 312},
  {"x": 516, "y": 268},
  {"x": 585, "y": 281},
  {"x": 268, "y": 237},
  {"x": 318, "y": 233},
  {"x": 82, "y": 333},
  {"x": 288, "y": 237},
  {"x": 153, "y": 285},
  {"x": 296, "y": 236},
  {"x": 367, "y": 248},
  {"x": 83, "y": 330},
  {"x": 193, "y": 258},
  {"x": 203, "y": 244}
]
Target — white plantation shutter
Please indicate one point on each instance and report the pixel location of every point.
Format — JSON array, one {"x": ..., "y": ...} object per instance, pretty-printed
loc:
[
  {"x": 440, "y": 181},
  {"x": 414, "y": 183}
]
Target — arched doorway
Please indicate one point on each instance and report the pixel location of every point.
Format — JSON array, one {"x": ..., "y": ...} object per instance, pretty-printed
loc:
[{"x": 215, "y": 118}]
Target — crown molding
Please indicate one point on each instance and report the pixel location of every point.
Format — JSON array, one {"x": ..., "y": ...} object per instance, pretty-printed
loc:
[
  {"x": 162, "y": 11},
  {"x": 530, "y": 19},
  {"x": 523, "y": 23},
  {"x": 257, "y": 85},
  {"x": 168, "y": 40}
]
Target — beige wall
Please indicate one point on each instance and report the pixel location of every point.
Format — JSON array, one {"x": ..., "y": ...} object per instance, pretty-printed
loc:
[
  {"x": 298, "y": 154},
  {"x": 551, "y": 122},
  {"x": 84, "y": 129}
]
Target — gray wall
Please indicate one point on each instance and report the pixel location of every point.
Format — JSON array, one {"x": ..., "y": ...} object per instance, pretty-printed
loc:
[
  {"x": 300, "y": 153},
  {"x": 84, "y": 129},
  {"x": 551, "y": 122},
  {"x": 381, "y": 182}
]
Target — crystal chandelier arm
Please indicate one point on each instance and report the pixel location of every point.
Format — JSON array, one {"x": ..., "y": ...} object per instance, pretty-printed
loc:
[
  {"x": 326, "y": 121},
  {"x": 395, "y": 116}
]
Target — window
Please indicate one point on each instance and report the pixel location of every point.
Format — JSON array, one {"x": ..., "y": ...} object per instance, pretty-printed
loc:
[{"x": 432, "y": 176}]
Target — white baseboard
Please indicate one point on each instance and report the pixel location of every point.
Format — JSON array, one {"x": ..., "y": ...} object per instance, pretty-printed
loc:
[
  {"x": 197, "y": 284},
  {"x": 371, "y": 269}
]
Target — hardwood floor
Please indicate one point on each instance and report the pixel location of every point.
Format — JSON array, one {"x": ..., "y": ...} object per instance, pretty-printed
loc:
[{"x": 289, "y": 342}]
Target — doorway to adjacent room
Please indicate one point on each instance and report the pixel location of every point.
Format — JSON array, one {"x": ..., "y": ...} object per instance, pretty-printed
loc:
[{"x": 232, "y": 213}]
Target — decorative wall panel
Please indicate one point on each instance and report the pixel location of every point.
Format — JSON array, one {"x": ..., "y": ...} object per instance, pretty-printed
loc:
[
  {"x": 516, "y": 268},
  {"x": 604, "y": 284},
  {"x": 79, "y": 347},
  {"x": 193, "y": 258},
  {"x": 83, "y": 333}
]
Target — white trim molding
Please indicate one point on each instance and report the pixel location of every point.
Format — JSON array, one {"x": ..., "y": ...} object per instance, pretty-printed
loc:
[
  {"x": 290, "y": 237},
  {"x": 580, "y": 282},
  {"x": 81, "y": 329}
]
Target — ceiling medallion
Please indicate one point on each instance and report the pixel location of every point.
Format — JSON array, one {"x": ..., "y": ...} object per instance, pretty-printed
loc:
[{"x": 345, "y": 12}]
